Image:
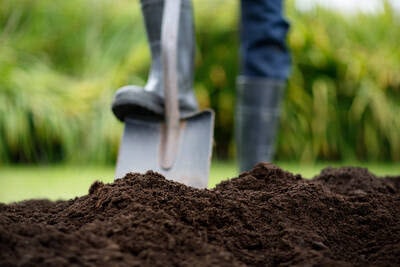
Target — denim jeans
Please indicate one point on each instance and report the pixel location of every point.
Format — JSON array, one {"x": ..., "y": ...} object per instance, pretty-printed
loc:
[{"x": 263, "y": 49}]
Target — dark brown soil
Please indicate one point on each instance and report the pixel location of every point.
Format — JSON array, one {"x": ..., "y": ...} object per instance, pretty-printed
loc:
[{"x": 265, "y": 217}]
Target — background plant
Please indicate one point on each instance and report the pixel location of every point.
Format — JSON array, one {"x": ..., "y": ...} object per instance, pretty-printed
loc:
[{"x": 61, "y": 62}]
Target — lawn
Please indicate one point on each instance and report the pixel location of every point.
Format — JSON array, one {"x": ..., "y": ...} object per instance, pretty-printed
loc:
[{"x": 66, "y": 181}]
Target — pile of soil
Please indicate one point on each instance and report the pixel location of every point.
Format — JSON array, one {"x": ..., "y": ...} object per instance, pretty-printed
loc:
[{"x": 266, "y": 216}]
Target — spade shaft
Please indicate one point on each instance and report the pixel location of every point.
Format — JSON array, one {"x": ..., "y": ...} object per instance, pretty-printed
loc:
[{"x": 169, "y": 45}]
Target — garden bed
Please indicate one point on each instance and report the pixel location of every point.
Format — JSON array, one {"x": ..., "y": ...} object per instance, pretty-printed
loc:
[{"x": 266, "y": 216}]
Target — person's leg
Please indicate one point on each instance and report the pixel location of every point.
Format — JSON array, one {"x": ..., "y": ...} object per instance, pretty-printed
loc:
[
  {"x": 263, "y": 49},
  {"x": 265, "y": 65},
  {"x": 135, "y": 101}
]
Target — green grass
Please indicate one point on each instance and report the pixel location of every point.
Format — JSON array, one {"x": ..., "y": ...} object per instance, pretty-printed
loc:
[{"x": 68, "y": 181}]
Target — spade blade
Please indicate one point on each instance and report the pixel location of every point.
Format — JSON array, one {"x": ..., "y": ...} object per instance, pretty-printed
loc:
[{"x": 141, "y": 149}]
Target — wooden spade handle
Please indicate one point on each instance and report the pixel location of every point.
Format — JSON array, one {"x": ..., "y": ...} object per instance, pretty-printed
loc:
[{"x": 169, "y": 46}]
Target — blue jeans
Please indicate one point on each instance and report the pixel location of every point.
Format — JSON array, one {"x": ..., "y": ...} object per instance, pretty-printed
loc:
[{"x": 263, "y": 49}]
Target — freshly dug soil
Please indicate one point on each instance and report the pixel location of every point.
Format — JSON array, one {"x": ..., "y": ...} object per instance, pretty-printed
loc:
[{"x": 265, "y": 217}]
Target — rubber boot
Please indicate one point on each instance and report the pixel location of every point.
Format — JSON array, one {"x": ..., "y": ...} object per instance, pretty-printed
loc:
[
  {"x": 138, "y": 102},
  {"x": 257, "y": 117}
]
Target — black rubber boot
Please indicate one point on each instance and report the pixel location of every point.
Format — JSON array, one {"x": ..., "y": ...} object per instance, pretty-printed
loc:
[
  {"x": 257, "y": 117},
  {"x": 148, "y": 102}
]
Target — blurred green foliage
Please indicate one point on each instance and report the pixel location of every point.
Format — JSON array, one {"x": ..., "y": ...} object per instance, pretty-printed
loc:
[
  {"x": 343, "y": 98},
  {"x": 61, "y": 62}
]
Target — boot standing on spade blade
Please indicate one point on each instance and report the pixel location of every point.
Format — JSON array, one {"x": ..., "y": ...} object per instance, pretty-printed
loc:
[
  {"x": 265, "y": 64},
  {"x": 148, "y": 101},
  {"x": 164, "y": 129}
]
